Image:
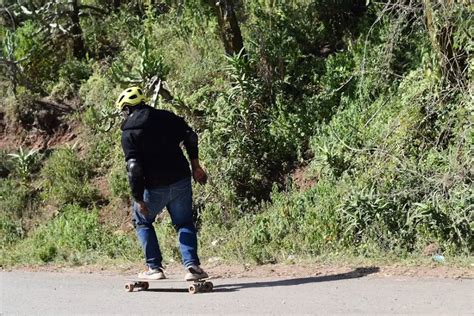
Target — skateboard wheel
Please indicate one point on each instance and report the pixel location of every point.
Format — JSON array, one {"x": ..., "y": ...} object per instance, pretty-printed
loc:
[
  {"x": 208, "y": 286},
  {"x": 129, "y": 287},
  {"x": 192, "y": 289}
]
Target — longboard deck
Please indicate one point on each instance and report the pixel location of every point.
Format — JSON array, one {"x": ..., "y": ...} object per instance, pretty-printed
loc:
[{"x": 195, "y": 286}]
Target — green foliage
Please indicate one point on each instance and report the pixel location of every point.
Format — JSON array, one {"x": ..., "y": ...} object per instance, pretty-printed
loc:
[
  {"x": 18, "y": 200},
  {"x": 24, "y": 163},
  {"x": 11, "y": 231},
  {"x": 75, "y": 235},
  {"x": 372, "y": 103},
  {"x": 118, "y": 183},
  {"x": 66, "y": 178},
  {"x": 98, "y": 95},
  {"x": 384, "y": 149},
  {"x": 150, "y": 63},
  {"x": 72, "y": 73},
  {"x": 22, "y": 109},
  {"x": 38, "y": 71}
]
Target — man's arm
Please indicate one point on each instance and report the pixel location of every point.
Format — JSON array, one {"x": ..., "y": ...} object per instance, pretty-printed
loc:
[{"x": 191, "y": 144}]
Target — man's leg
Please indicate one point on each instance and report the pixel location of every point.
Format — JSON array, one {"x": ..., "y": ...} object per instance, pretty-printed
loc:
[
  {"x": 155, "y": 201},
  {"x": 147, "y": 236},
  {"x": 181, "y": 212}
]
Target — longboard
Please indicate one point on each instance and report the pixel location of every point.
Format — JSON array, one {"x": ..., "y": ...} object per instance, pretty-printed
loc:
[{"x": 196, "y": 286}]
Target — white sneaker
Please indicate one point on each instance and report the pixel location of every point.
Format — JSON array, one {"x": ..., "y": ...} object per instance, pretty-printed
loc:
[
  {"x": 152, "y": 274},
  {"x": 195, "y": 273}
]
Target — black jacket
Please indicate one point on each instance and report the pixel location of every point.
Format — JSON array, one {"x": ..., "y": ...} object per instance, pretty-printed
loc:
[{"x": 152, "y": 137}]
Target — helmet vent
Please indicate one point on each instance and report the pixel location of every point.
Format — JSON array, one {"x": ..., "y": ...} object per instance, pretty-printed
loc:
[
  {"x": 129, "y": 90},
  {"x": 140, "y": 91},
  {"x": 121, "y": 98},
  {"x": 134, "y": 96}
]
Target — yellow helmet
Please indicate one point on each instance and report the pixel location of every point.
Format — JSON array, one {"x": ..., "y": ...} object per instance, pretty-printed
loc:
[{"x": 131, "y": 97}]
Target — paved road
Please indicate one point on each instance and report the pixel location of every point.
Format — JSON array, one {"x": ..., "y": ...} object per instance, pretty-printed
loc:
[{"x": 350, "y": 293}]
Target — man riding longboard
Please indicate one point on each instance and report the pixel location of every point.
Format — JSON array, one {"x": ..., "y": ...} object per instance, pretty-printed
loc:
[{"x": 159, "y": 177}]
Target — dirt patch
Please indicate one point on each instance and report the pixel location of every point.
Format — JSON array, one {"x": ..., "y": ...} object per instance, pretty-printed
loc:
[
  {"x": 117, "y": 215},
  {"x": 279, "y": 270},
  {"x": 38, "y": 124},
  {"x": 302, "y": 180}
]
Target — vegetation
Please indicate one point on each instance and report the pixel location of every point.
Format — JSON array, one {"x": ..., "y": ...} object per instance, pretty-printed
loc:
[{"x": 326, "y": 126}]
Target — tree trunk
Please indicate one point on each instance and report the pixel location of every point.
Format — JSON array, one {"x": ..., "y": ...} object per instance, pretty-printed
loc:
[
  {"x": 76, "y": 30},
  {"x": 229, "y": 26}
]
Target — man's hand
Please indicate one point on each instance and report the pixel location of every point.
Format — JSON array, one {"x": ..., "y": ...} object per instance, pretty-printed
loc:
[
  {"x": 199, "y": 175},
  {"x": 142, "y": 208}
]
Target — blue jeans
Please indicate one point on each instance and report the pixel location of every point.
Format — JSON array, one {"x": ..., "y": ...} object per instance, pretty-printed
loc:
[{"x": 177, "y": 197}]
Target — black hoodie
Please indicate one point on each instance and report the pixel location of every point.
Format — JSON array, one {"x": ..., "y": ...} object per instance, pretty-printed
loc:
[{"x": 153, "y": 138}]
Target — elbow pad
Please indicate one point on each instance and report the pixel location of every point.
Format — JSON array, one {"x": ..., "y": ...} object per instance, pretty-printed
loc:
[
  {"x": 136, "y": 179},
  {"x": 134, "y": 169}
]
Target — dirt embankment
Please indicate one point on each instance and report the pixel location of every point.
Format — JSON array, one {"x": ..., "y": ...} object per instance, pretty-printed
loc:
[{"x": 38, "y": 124}]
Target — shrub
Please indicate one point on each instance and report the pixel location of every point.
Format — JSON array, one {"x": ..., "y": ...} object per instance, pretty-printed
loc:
[
  {"x": 72, "y": 73},
  {"x": 66, "y": 178},
  {"x": 11, "y": 230},
  {"x": 75, "y": 235},
  {"x": 118, "y": 183},
  {"x": 40, "y": 69},
  {"x": 17, "y": 199}
]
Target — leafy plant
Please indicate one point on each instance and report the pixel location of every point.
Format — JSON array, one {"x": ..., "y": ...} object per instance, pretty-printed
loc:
[
  {"x": 25, "y": 162},
  {"x": 66, "y": 179},
  {"x": 149, "y": 64}
]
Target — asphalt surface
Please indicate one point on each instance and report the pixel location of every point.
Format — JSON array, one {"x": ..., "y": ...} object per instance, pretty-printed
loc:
[{"x": 43, "y": 293}]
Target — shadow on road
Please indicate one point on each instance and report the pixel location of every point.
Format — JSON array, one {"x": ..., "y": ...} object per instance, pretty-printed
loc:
[
  {"x": 357, "y": 273},
  {"x": 167, "y": 290}
]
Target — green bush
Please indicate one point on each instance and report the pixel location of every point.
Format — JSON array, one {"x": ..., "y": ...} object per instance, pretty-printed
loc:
[
  {"x": 23, "y": 110},
  {"x": 118, "y": 183},
  {"x": 17, "y": 198},
  {"x": 66, "y": 179},
  {"x": 72, "y": 73},
  {"x": 42, "y": 63},
  {"x": 11, "y": 230},
  {"x": 75, "y": 235},
  {"x": 98, "y": 95}
]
